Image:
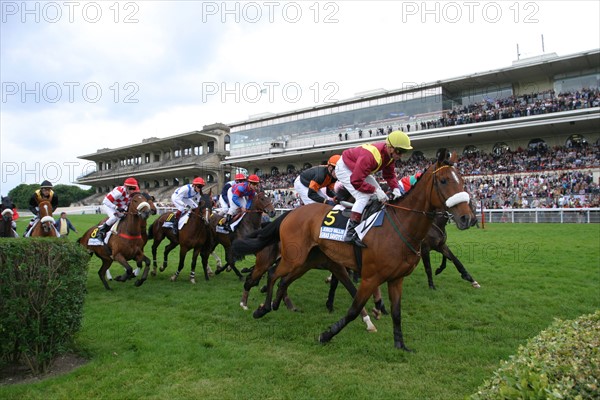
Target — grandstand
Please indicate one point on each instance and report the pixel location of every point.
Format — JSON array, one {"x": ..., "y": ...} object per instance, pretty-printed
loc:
[{"x": 529, "y": 110}]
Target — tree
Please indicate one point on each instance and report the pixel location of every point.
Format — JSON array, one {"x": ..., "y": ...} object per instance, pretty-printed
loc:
[{"x": 67, "y": 194}]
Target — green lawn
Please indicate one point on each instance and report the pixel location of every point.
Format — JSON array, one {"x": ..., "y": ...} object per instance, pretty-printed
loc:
[{"x": 181, "y": 341}]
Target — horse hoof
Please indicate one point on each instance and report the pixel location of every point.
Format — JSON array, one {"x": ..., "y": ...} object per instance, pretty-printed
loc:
[
  {"x": 244, "y": 307},
  {"x": 260, "y": 312},
  {"x": 372, "y": 329},
  {"x": 325, "y": 337},
  {"x": 193, "y": 280},
  {"x": 173, "y": 278},
  {"x": 475, "y": 285},
  {"x": 162, "y": 269},
  {"x": 153, "y": 272},
  {"x": 138, "y": 283},
  {"x": 210, "y": 273}
]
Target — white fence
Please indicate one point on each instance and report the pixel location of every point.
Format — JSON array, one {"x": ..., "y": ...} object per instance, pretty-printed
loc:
[{"x": 541, "y": 215}]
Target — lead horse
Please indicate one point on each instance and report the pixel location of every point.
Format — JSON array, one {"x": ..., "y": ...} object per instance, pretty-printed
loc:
[
  {"x": 393, "y": 249},
  {"x": 127, "y": 243}
]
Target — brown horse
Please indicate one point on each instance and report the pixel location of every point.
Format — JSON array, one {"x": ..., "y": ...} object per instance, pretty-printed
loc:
[
  {"x": 127, "y": 243},
  {"x": 250, "y": 222},
  {"x": 193, "y": 235},
  {"x": 45, "y": 226},
  {"x": 393, "y": 249},
  {"x": 436, "y": 240}
]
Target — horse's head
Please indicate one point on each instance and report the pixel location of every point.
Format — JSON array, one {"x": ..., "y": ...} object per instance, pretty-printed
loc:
[
  {"x": 142, "y": 205},
  {"x": 448, "y": 189},
  {"x": 45, "y": 215},
  {"x": 150, "y": 201},
  {"x": 7, "y": 215},
  {"x": 205, "y": 207},
  {"x": 263, "y": 203}
]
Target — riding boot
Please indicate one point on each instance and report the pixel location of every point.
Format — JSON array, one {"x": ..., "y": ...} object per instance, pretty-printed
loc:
[
  {"x": 102, "y": 231},
  {"x": 351, "y": 235},
  {"x": 227, "y": 224},
  {"x": 175, "y": 228}
]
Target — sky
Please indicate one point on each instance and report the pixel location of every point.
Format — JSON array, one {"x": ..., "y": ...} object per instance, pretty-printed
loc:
[{"x": 80, "y": 76}]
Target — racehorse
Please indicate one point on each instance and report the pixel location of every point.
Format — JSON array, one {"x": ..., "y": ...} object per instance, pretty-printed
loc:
[
  {"x": 193, "y": 235},
  {"x": 127, "y": 243},
  {"x": 45, "y": 226},
  {"x": 250, "y": 222},
  {"x": 393, "y": 249},
  {"x": 6, "y": 210},
  {"x": 436, "y": 240}
]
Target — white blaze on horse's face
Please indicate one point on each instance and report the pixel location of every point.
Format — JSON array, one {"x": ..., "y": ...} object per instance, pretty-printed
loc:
[{"x": 453, "y": 173}]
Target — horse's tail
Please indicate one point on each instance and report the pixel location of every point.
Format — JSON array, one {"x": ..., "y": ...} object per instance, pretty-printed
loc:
[
  {"x": 258, "y": 240},
  {"x": 151, "y": 231}
]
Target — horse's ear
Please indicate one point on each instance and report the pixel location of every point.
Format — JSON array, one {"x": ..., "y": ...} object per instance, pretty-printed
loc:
[
  {"x": 442, "y": 155},
  {"x": 454, "y": 157}
]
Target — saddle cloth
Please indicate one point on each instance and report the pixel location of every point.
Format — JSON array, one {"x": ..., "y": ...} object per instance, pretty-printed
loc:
[{"x": 334, "y": 224}]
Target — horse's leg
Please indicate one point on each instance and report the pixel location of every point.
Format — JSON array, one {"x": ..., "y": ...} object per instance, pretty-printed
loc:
[
  {"x": 395, "y": 294},
  {"x": 207, "y": 271},
  {"x": 442, "y": 266},
  {"x": 194, "y": 260},
  {"x": 342, "y": 275},
  {"x": 333, "y": 284},
  {"x": 182, "y": 253},
  {"x": 425, "y": 256},
  {"x": 460, "y": 267},
  {"x": 379, "y": 308},
  {"x": 102, "y": 272},
  {"x": 168, "y": 248},
  {"x": 218, "y": 262},
  {"x": 155, "y": 244},
  {"x": 128, "y": 270},
  {"x": 365, "y": 290},
  {"x": 141, "y": 258}
]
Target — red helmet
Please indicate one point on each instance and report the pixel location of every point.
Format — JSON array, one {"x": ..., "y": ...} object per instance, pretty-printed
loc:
[
  {"x": 334, "y": 159},
  {"x": 198, "y": 181},
  {"x": 240, "y": 177},
  {"x": 132, "y": 182},
  {"x": 254, "y": 179}
]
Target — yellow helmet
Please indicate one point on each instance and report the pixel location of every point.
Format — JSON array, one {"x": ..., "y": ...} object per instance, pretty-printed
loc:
[{"x": 399, "y": 139}]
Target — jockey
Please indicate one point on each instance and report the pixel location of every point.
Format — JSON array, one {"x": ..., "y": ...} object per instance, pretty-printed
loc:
[
  {"x": 185, "y": 198},
  {"x": 224, "y": 197},
  {"x": 310, "y": 182},
  {"x": 407, "y": 182},
  {"x": 115, "y": 204},
  {"x": 44, "y": 193},
  {"x": 241, "y": 198},
  {"x": 355, "y": 171}
]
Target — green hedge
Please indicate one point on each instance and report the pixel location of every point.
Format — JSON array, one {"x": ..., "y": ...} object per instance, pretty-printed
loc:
[
  {"x": 562, "y": 362},
  {"x": 42, "y": 289}
]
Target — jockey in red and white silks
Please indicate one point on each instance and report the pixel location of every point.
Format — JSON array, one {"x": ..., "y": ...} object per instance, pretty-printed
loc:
[{"x": 115, "y": 204}]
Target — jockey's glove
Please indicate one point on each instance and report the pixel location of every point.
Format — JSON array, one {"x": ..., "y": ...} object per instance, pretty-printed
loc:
[
  {"x": 381, "y": 196},
  {"x": 119, "y": 214},
  {"x": 396, "y": 193}
]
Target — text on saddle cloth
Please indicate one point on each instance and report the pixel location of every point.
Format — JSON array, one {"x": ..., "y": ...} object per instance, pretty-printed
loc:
[
  {"x": 220, "y": 229},
  {"x": 334, "y": 224},
  {"x": 182, "y": 220}
]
